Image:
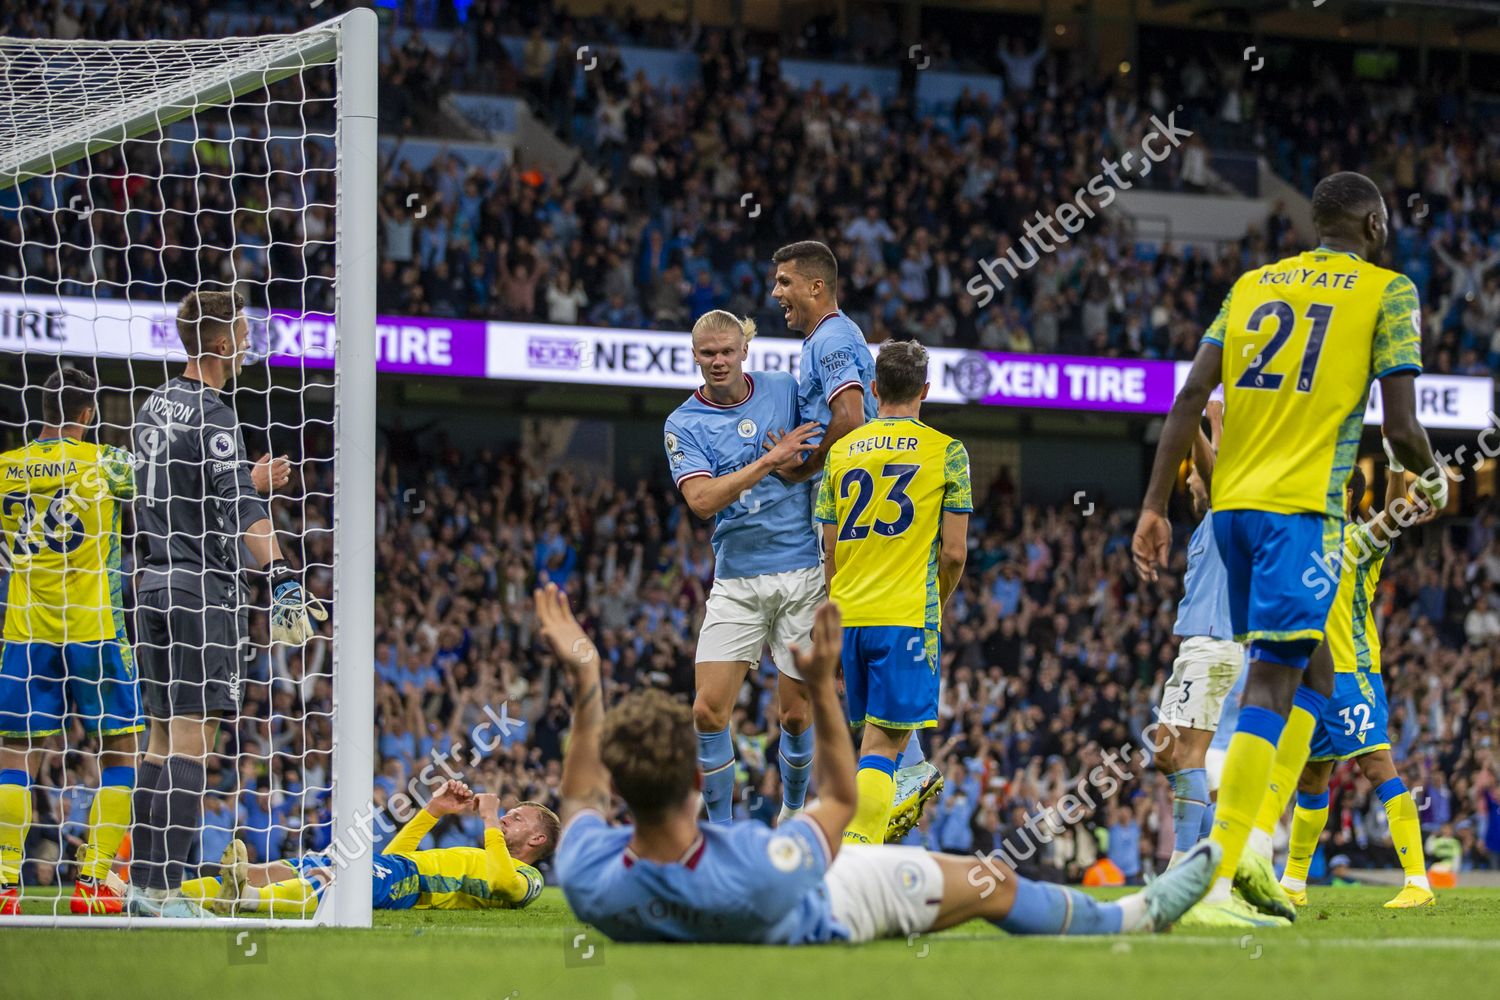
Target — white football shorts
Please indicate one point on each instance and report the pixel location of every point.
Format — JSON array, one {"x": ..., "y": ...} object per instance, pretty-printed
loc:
[
  {"x": 745, "y": 614},
  {"x": 881, "y": 891},
  {"x": 1202, "y": 676}
]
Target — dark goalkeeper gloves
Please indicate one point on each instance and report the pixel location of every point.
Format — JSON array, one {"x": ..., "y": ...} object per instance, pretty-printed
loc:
[{"x": 292, "y": 606}]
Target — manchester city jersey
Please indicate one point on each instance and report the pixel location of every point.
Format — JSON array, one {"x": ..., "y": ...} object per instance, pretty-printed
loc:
[
  {"x": 767, "y": 529},
  {"x": 835, "y": 358},
  {"x": 1302, "y": 338},
  {"x": 1204, "y": 610},
  {"x": 739, "y": 883}
]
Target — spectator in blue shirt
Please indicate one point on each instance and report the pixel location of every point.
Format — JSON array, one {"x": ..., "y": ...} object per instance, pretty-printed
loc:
[{"x": 1125, "y": 843}]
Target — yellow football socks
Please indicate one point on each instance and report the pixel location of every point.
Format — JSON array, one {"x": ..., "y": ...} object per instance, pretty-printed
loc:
[
  {"x": 1406, "y": 829},
  {"x": 109, "y": 820},
  {"x": 15, "y": 820},
  {"x": 201, "y": 890},
  {"x": 292, "y": 898},
  {"x": 877, "y": 783},
  {"x": 1308, "y": 820},
  {"x": 1286, "y": 767},
  {"x": 1242, "y": 784}
]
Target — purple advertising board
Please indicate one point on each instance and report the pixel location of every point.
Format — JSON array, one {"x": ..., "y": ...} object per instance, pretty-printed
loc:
[
  {"x": 1062, "y": 382},
  {"x": 405, "y": 345}
]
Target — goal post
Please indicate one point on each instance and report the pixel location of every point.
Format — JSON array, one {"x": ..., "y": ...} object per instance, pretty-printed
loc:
[{"x": 130, "y": 173}]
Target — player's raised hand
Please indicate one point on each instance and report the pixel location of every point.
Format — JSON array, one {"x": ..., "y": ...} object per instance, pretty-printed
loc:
[
  {"x": 271, "y": 474},
  {"x": 453, "y": 797},
  {"x": 562, "y": 631},
  {"x": 1151, "y": 544},
  {"x": 292, "y": 606},
  {"x": 822, "y": 661},
  {"x": 788, "y": 448},
  {"x": 487, "y": 806}
]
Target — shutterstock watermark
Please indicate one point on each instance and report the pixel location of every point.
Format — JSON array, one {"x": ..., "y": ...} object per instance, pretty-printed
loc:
[
  {"x": 403, "y": 805},
  {"x": 1041, "y": 828},
  {"x": 1156, "y": 146},
  {"x": 1383, "y": 530}
]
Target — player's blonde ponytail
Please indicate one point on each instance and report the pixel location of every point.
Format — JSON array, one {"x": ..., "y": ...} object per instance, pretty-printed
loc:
[{"x": 723, "y": 319}]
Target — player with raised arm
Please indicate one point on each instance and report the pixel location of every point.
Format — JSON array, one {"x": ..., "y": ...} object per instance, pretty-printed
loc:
[
  {"x": 894, "y": 504},
  {"x": 499, "y": 875},
  {"x": 1208, "y": 663},
  {"x": 66, "y": 650},
  {"x": 1296, "y": 345},
  {"x": 198, "y": 506},
  {"x": 1353, "y": 724},
  {"x": 669, "y": 877},
  {"x": 766, "y": 577}
]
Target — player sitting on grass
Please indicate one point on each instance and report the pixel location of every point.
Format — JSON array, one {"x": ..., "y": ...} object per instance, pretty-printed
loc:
[
  {"x": 498, "y": 875},
  {"x": 1354, "y": 721},
  {"x": 670, "y": 877}
]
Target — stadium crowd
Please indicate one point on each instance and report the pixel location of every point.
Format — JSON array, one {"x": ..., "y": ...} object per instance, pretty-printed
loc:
[{"x": 913, "y": 200}]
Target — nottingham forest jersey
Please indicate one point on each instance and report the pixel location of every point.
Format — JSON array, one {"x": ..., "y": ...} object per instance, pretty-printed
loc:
[
  {"x": 1302, "y": 339},
  {"x": 60, "y": 517},
  {"x": 1352, "y": 633},
  {"x": 886, "y": 485}
]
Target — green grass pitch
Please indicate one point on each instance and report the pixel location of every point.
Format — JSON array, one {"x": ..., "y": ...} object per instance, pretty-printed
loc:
[{"x": 1344, "y": 946}]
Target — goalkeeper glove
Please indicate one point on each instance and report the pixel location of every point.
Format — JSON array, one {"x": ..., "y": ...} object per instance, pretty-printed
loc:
[
  {"x": 291, "y": 606},
  {"x": 1390, "y": 456}
]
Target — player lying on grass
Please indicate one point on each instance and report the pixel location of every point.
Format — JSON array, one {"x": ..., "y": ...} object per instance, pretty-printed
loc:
[
  {"x": 497, "y": 875},
  {"x": 669, "y": 877},
  {"x": 1353, "y": 724}
]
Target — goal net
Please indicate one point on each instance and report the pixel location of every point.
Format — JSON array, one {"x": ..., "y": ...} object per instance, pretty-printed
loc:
[{"x": 131, "y": 175}]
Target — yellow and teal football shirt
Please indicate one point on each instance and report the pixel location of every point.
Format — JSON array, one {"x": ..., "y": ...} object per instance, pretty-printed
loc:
[
  {"x": 886, "y": 485},
  {"x": 1356, "y": 718},
  {"x": 1352, "y": 634},
  {"x": 460, "y": 878},
  {"x": 60, "y": 507},
  {"x": 1302, "y": 339}
]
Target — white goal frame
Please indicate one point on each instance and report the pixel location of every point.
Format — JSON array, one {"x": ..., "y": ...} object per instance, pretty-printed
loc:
[{"x": 352, "y": 39}]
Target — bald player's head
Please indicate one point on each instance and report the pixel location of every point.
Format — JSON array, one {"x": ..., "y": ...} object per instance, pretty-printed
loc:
[{"x": 1350, "y": 214}]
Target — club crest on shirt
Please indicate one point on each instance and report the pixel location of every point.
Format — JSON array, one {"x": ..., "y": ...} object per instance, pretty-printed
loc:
[
  {"x": 911, "y": 878},
  {"x": 746, "y": 428},
  {"x": 785, "y": 853}
]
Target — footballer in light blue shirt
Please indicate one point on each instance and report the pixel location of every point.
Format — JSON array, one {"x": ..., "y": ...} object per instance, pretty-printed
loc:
[
  {"x": 834, "y": 390},
  {"x": 668, "y": 877},
  {"x": 836, "y": 367},
  {"x": 726, "y": 447},
  {"x": 1209, "y": 661}
]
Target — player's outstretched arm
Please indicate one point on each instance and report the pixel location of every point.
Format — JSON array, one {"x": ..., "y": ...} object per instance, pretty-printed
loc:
[
  {"x": 1153, "y": 535},
  {"x": 707, "y": 495},
  {"x": 833, "y": 751},
  {"x": 585, "y": 780}
]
